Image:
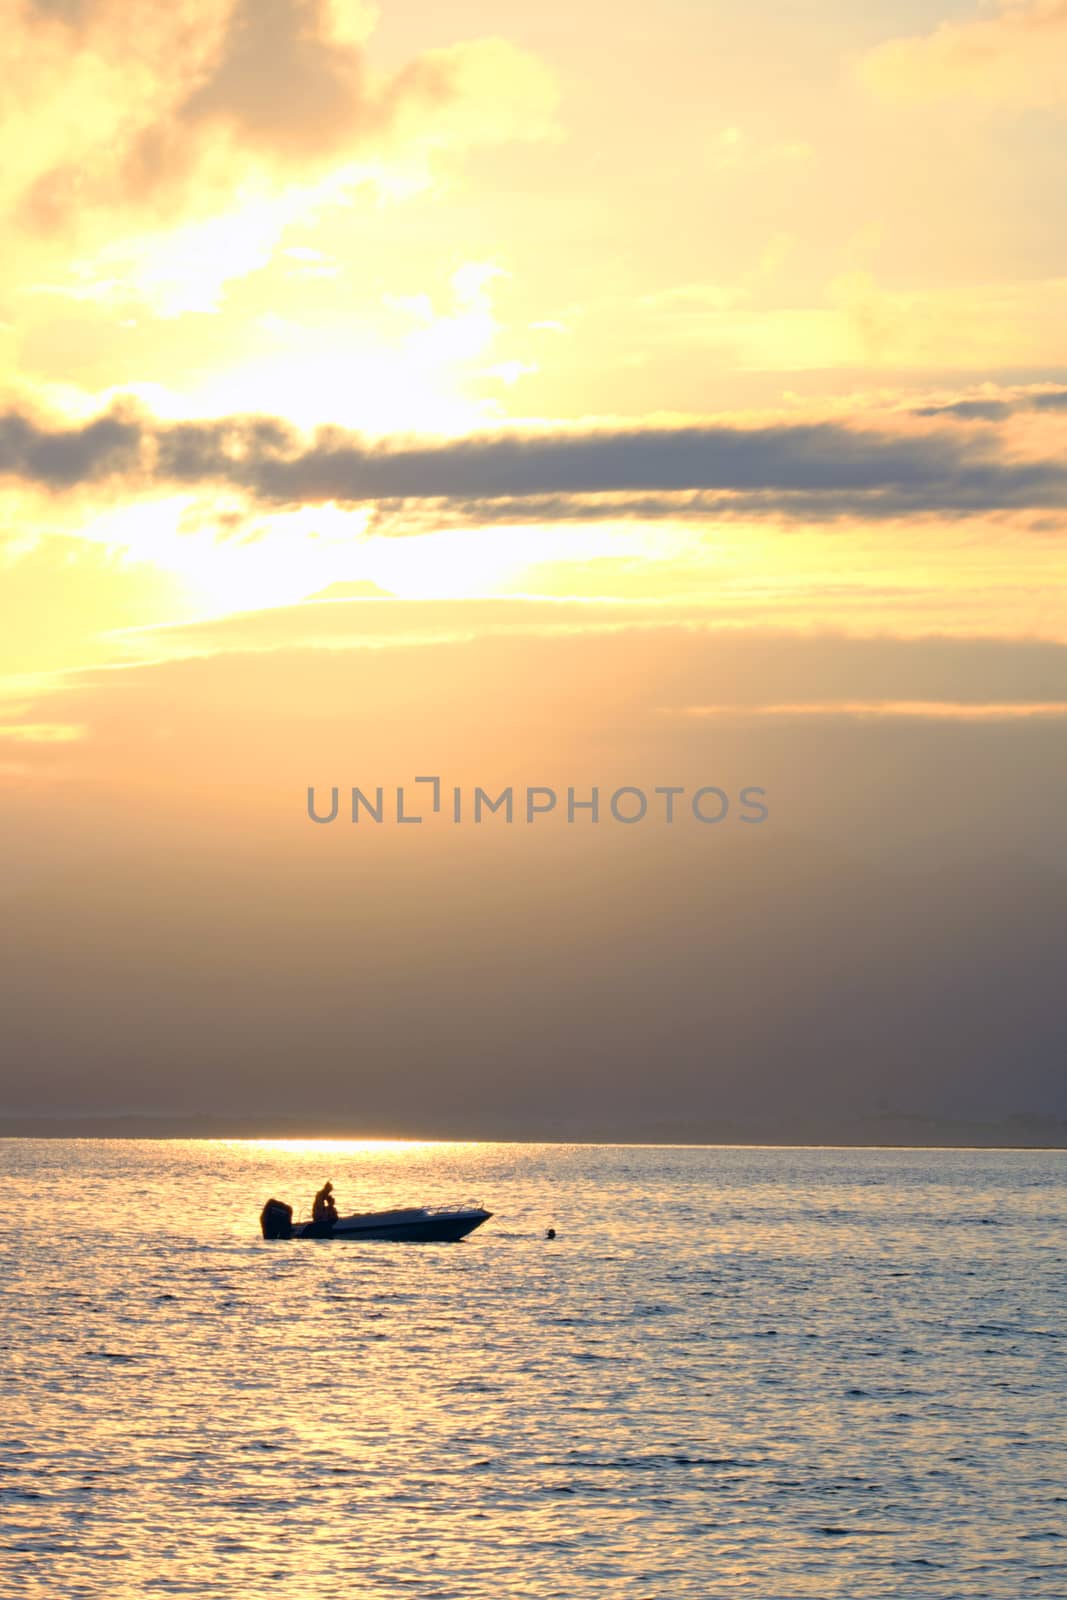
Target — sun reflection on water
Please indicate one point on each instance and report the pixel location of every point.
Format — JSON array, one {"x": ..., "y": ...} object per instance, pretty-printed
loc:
[{"x": 349, "y": 1147}]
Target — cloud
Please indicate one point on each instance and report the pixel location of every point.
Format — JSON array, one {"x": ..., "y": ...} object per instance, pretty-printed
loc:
[
  {"x": 269, "y": 88},
  {"x": 1016, "y": 59},
  {"x": 865, "y": 710},
  {"x": 42, "y": 732},
  {"x": 626, "y": 667},
  {"x": 757, "y": 322},
  {"x": 690, "y": 659},
  {"x": 733, "y": 150},
  {"x": 283, "y": 84},
  {"x": 820, "y": 469},
  {"x": 71, "y": 12},
  {"x": 63, "y": 458},
  {"x": 996, "y": 408},
  {"x": 969, "y": 410}
]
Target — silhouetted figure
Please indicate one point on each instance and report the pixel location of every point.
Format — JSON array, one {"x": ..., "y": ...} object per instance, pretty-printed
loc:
[
  {"x": 550, "y": 1233},
  {"x": 324, "y": 1206}
]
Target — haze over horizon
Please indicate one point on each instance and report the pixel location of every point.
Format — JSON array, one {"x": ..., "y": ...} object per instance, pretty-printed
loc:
[{"x": 534, "y": 398}]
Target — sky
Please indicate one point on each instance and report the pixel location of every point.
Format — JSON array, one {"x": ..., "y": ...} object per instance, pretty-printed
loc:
[{"x": 535, "y": 399}]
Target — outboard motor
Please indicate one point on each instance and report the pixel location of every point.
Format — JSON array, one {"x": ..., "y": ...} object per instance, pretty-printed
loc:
[{"x": 276, "y": 1220}]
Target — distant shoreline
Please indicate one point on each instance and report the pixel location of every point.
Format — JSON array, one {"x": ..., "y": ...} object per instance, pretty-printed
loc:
[{"x": 883, "y": 1133}]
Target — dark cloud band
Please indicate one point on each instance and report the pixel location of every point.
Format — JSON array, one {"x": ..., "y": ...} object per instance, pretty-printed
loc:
[
  {"x": 819, "y": 469},
  {"x": 983, "y": 408}
]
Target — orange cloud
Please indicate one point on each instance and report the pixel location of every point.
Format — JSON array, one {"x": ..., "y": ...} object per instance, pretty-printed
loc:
[
  {"x": 1016, "y": 59},
  {"x": 222, "y": 94},
  {"x": 937, "y": 710}
]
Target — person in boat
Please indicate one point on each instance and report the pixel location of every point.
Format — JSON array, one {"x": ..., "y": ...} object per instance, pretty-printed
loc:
[{"x": 324, "y": 1206}]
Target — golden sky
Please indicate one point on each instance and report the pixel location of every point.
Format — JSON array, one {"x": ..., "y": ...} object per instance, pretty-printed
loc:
[{"x": 536, "y": 390}]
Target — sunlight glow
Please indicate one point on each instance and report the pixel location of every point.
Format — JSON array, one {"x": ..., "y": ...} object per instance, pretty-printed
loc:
[
  {"x": 425, "y": 363},
  {"x": 348, "y": 1147}
]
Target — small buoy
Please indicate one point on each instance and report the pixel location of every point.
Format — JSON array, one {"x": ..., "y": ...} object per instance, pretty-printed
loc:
[{"x": 550, "y": 1233}]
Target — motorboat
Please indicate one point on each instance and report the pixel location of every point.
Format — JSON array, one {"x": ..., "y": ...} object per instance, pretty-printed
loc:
[{"x": 410, "y": 1224}]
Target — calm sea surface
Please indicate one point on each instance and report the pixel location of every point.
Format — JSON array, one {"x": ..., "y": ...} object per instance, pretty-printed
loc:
[{"x": 767, "y": 1373}]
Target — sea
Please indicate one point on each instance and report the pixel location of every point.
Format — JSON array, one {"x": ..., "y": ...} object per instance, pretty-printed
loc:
[{"x": 733, "y": 1372}]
